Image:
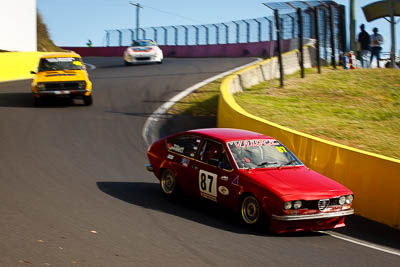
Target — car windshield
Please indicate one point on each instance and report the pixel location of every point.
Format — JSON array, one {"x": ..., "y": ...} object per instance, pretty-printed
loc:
[
  {"x": 261, "y": 153},
  {"x": 143, "y": 43},
  {"x": 60, "y": 63}
]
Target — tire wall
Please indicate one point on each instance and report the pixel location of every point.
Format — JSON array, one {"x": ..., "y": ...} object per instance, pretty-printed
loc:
[{"x": 374, "y": 179}]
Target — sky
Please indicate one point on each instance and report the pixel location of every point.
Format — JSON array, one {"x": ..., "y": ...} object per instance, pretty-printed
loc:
[{"x": 73, "y": 22}]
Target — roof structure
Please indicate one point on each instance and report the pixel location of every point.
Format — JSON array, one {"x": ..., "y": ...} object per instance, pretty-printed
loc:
[{"x": 381, "y": 9}]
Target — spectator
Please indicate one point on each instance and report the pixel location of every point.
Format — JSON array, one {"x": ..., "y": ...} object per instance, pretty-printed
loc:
[
  {"x": 89, "y": 43},
  {"x": 376, "y": 46},
  {"x": 364, "y": 42}
]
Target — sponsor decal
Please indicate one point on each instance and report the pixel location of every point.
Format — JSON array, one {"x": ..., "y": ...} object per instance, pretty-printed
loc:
[
  {"x": 176, "y": 148},
  {"x": 78, "y": 63},
  {"x": 60, "y": 59},
  {"x": 223, "y": 190},
  {"x": 236, "y": 180},
  {"x": 224, "y": 178},
  {"x": 185, "y": 162},
  {"x": 169, "y": 156},
  {"x": 208, "y": 196},
  {"x": 254, "y": 143}
]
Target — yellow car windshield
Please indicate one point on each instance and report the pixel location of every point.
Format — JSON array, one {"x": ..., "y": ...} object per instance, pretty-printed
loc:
[{"x": 60, "y": 63}]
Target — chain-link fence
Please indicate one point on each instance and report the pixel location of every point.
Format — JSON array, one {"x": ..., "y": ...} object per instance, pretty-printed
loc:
[{"x": 249, "y": 30}]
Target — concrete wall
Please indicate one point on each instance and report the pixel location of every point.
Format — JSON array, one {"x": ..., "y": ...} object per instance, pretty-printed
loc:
[
  {"x": 374, "y": 179},
  {"x": 257, "y": 49},
  {"x": 18, "y": 25}
]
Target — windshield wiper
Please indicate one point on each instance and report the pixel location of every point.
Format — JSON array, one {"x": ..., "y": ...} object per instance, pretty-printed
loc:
[
  {"x": 288, "y": 163},
  {"x": 266, "y": 163}
]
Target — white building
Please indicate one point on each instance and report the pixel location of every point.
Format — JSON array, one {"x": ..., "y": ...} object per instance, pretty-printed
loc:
[{"x": 18, "y": 25}]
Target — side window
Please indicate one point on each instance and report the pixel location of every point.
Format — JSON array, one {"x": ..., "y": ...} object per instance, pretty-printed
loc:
[
  {"x": 184, "y": 145},
  {"x": 224, "y": 162},
  {"x": 214, "y": 154}
]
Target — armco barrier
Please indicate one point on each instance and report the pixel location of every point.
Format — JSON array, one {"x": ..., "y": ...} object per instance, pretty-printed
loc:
[
  {"x": 18, "y": 65},
  {"x": 374, "y": 179},
  {"x": 256, "y": 49}
]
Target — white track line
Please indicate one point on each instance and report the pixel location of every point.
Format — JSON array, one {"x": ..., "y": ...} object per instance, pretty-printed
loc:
[
  {"x": 362, "y": 243},
  {"x": 160, "y": 112}
]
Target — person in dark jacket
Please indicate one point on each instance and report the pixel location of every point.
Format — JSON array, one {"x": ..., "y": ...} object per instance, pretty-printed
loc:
[{"x": 364, "y": 47}]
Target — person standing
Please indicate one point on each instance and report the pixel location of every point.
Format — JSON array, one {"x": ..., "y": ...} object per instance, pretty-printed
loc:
[
  {"x": 364, "y": 42},
  {"x": 376, "y": 45}
]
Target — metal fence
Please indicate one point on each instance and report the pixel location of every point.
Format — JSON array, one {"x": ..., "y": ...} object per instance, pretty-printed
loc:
[{"x": 233, "y": 32}]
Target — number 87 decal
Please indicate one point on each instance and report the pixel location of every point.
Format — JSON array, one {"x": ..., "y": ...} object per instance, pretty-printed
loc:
[{"x": 208, "y": 183}]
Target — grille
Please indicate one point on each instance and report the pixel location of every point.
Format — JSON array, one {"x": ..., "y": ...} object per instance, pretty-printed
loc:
[
  {"x": 143, "y": 58},
  {"x": 313, "y": 204},
  {"x": 63, "y": 86}
]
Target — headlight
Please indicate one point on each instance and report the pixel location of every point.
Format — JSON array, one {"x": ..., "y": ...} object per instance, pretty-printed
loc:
[
  {"x": 287, "y": 205},
  {"x": 297, "y": 204},
  {"x": 41, "y": 86},
  {"x": 342, "y": 200},
  {"x": 349, "y": 199},
  {"x": 82, "y": 85}
]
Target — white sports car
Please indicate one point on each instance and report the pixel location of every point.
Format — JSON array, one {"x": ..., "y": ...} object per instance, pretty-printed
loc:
[{"x": 143, "y": 51}]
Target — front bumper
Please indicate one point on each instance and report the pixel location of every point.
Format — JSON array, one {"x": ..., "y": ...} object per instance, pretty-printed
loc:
[
  {"x": 142, "y": 58},
  {"x": 313, "y": 216},
  {"x": 79, "y": 92}
]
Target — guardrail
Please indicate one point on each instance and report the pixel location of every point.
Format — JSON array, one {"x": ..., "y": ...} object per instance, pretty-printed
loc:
[{"x": 374, "y": 179}]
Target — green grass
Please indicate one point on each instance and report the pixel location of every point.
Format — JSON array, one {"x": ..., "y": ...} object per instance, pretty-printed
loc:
[
  {"x": 202, "y": 102},
  {"x": 359, "y": 108}
]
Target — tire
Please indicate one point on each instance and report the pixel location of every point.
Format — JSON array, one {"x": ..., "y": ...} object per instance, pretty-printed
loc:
[
  {"x": 159, "y": 62},
  {"x": 250, "y": 210},
  {"x": 127, "y": 63},
  {"x": 88, "y": 100},
  {"x": 168, "y": 183},
  {"x": 37, "y": 102}
]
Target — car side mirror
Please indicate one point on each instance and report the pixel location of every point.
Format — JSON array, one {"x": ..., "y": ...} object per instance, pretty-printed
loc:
[{"x": 32, "y": 72}]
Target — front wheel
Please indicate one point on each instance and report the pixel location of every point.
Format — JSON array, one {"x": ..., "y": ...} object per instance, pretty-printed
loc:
[
  {"x": 168, "y": 183},
  {"x": 88, "y": 100},
  {"x": 250, "y": 210}
]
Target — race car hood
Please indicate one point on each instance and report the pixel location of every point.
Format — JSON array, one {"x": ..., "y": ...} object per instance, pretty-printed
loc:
[
  {"x": 291, "y": 183},
  {"x": 61, "y": 75}
]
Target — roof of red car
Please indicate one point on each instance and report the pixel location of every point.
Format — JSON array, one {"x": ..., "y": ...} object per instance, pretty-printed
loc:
[{"x": 227, "y": 134}]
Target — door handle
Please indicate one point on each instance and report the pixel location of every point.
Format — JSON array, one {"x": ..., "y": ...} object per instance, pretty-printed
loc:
[{"x": 195, "y": 167}]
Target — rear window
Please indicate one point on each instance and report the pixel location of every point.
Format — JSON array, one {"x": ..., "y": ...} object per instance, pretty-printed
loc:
[{"x": 184, "y": 145}]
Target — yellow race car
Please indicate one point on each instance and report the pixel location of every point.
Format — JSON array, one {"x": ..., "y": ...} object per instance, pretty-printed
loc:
[{"x": 61, "y": 75}]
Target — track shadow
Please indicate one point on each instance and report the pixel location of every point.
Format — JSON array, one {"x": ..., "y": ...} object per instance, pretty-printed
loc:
[
  {"x": 25, "y": 100},
  {"x": 19, "y": 100},
  {"x": 370, "y": 231},
  {"x": 149, "y": 196}
]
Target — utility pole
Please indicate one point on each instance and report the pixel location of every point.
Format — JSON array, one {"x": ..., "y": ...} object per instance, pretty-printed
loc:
[
  {"x": 138, "y": 6},
  {"x": 353, "y": 44},
  {"x": 393, "y": 33}
]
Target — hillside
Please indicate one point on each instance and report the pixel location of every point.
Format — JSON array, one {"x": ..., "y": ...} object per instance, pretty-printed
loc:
[{"x": 44, "y": 42}]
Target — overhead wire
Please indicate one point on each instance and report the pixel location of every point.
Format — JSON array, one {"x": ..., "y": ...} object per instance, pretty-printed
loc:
[{"x": 172, "y": 14}]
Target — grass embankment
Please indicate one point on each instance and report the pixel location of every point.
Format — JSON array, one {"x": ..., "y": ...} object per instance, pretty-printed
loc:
[
  {"x": 44, "y": 42},
  {"x": 359, "y": 108}
]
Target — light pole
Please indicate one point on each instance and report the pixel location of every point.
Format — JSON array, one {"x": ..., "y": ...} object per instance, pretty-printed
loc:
[{"x": 138, "y": 6}]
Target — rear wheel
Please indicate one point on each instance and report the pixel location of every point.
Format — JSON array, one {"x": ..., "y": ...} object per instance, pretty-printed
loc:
[
  {"x": 88, "y": 100},
  {"x": 168, "y": 183},
  {"x": 250, "y": 210}
]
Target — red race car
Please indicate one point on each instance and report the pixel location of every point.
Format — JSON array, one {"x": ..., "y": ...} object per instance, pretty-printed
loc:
[{"x": 252, "y": 174}]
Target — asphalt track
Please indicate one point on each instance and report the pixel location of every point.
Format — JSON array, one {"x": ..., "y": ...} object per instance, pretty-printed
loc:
[{"x": 74, "y": 190}]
